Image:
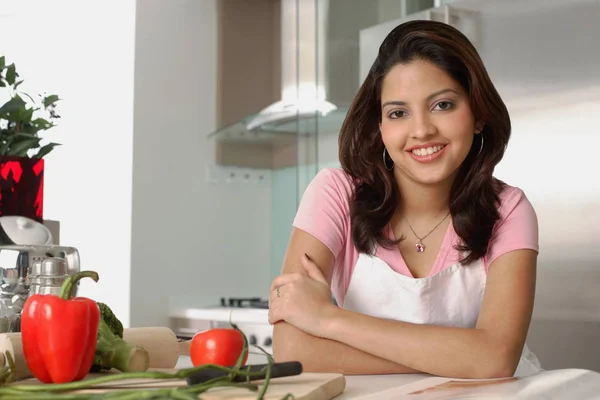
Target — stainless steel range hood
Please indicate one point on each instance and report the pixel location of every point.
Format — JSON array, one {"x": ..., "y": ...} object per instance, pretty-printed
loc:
[
  {"x": 303, "y": 74},
  {"x": 303, "y": 107}
]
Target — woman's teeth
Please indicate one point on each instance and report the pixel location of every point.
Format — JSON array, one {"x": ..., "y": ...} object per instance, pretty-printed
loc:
[{"x": 427, "y": 151}]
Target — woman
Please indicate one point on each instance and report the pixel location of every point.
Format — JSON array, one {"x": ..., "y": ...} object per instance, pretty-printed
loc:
[{"x": 432, "y": 261}]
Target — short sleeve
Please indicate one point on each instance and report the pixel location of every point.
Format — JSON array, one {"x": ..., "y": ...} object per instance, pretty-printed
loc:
[
  {"x": 324, "y": 209},
  {"x": 517, "y": 228}
]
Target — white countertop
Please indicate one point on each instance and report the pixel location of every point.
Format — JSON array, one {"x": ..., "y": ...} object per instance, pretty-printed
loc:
[
  {"x": 568, "y": 384},
  {"x": 358, "y": 386},
  {"x": 563, "y": 384}
]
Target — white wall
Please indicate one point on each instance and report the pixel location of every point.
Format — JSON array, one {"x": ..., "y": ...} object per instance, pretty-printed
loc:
[
  {"x": 192, "y": 242},
  {"x": 83, "y": 51}
]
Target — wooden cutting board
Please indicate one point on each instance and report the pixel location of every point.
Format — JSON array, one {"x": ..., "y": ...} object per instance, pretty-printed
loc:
[{"x": 306, "y": 386}]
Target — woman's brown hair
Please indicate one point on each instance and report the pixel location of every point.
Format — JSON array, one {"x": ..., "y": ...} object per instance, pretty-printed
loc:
[{"x": 474, "y": 196}]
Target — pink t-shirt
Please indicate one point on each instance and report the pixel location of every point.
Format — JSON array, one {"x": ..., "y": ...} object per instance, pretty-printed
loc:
[{"x": 324, "y": 213}]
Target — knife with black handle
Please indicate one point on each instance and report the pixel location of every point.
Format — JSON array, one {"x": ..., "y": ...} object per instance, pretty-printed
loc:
[{"x": 278, "y": 370}]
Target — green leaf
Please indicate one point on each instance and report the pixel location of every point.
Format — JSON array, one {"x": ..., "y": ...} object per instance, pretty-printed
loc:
[
  {"x": 22, "y": 136},
  {"x": 25, "y": 115},
  {"x": 28, "y": 96},
  {"x": 5, "y": 145},
  {"x": 28, "y": 129},
  {"x": 45, "y": 150},
  {"x": 49, "y": 100},
  {"x": 21, "y": 118},
  {"x": 17, "y": 84},
  {"x": 42, "y": 124},
  {"x": 2, "y": 62},
  {"x": 21, "y": 147},
  {"x": 11, "y": 74},
  {"x": 13, "y": 105}
]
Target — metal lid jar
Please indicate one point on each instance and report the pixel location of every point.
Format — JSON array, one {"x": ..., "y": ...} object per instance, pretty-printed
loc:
[{"x": 47, "y": 276}]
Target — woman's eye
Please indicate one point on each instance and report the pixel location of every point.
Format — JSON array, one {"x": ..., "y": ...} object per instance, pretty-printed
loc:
[
  {"x": 444, "y": 105},
  {"x": 397, "y": 114}
]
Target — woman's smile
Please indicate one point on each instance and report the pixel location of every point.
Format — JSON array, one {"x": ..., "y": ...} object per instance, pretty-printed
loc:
[{"x": 427, "y": 153}]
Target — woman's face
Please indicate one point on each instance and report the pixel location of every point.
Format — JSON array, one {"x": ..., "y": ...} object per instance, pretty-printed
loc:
[{"x": 427, "y": 125}]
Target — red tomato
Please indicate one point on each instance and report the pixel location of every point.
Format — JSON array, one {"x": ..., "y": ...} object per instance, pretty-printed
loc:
[{"x": 220, "y": 346}]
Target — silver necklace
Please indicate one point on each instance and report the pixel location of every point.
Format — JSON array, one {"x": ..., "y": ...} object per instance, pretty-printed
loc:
[{"x": 419, "y": 246}]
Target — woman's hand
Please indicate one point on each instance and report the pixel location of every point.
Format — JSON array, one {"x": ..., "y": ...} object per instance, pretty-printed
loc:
[{"x": 302, "y": 299}]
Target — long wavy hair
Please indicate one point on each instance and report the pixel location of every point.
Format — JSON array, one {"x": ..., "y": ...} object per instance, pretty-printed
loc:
[{"x": 474, "y": 195}]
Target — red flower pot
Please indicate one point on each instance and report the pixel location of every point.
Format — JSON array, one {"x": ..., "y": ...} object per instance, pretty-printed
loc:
[{"x": 22, "y": 187}]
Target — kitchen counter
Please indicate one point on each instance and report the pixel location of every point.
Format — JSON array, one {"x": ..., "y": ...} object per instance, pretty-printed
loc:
[
  {"x": 358, "y": 386},
  {"x": 569, "y": 384}
]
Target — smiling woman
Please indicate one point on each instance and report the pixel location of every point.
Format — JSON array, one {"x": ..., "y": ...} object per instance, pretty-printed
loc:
[{"x": 431, "y": 259}]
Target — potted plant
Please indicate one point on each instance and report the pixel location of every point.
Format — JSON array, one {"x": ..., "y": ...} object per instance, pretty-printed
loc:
[{"x": 22, "y": 120}]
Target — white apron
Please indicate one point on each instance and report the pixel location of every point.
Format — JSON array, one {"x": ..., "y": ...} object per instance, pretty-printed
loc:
[{"x": 451, "y": 297}]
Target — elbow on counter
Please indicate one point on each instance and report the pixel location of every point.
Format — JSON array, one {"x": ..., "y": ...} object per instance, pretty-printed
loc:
[
  {"x": 501, "y": 364},
  {"x": 493, "y": 371},
  {"x": 286, "y": 342},
  {"x": 292, "y": 344},
  {"x": 282, "y": 343}
]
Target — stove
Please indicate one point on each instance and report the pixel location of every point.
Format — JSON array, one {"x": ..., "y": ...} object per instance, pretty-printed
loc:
[
  {"x": 251, "y": 315},
  {"x": 252, "y": 302}
]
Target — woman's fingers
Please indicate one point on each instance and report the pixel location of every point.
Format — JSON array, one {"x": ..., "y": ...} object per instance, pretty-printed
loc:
[{"x": 285, "y": 279}]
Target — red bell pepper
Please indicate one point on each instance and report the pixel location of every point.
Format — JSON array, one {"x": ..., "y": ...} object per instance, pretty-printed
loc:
[{"x": 59, "y": 333}]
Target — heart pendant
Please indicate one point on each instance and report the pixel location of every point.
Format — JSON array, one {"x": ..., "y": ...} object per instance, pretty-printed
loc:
[{"x": 419, "y": 247}]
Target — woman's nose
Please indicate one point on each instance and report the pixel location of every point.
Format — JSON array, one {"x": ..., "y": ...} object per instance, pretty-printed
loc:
[{"x": 422, "y": 127}]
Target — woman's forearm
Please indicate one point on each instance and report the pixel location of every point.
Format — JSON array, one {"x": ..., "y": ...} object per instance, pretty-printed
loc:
[
  {"x": 437, "y": 350},
  {"x": 325, "y": 355}
]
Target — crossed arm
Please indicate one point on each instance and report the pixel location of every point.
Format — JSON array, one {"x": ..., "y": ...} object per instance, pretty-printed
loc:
[
  {"x": 319, "y": 354},
  {"x": 310, "y": 329}
]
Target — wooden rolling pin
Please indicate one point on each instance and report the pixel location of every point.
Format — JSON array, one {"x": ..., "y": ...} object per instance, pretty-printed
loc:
[
  {"x": 160, "y": 342},
  {"x": 11, "y": 342}
]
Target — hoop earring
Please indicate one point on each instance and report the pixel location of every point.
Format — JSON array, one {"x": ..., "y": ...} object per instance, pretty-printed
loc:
[
  {"x": 480, "y": 148},
  {"x": 384, "y": 163}
]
